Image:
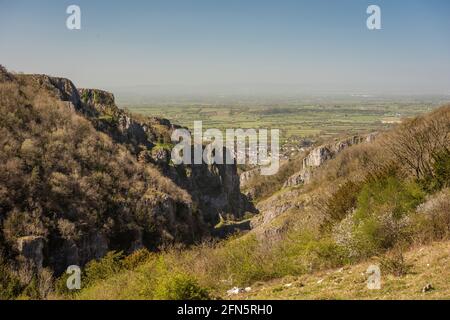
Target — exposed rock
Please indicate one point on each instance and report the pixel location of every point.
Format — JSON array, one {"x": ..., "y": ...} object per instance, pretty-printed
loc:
[
  {"x": 94, "y": 246},
  {"x": 274, "y": 207},
  {"x": 63, "y": 89},
  {"x": 246, "y": 176},
  {"x": 102, "y": 100},
  {"x": 100, "y": 107},
  {"x": 157, "y": 218},
  {"x": 270, "y": 234},
  {"x": 301, "y": 177},
  {"x": 371, "y": 137},
  {"x": 218, "y": 191},
  {"x": 31, "y": 248},
  {"x": 62, "y": 253},
  {"x": 216, "y": 188},
  {"x": 319, "y": 155},
  {"x": 4, "y": 75}
]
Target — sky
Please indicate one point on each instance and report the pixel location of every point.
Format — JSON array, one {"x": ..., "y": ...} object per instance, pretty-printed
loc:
[{"x": 315, "y": 45}]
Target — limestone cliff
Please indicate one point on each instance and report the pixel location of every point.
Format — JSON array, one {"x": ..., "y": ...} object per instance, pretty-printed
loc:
[
  {"x": 215, "y": 189},
  {"x": 81, "y": 177},
  {"x": 318, "y": 155}
]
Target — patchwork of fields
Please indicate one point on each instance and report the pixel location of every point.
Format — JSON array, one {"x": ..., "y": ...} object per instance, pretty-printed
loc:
[{"x": 295, "y": 120}]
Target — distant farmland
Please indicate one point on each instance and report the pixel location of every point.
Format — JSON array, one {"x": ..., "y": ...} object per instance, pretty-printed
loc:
[{"x": 312, "y": 121}]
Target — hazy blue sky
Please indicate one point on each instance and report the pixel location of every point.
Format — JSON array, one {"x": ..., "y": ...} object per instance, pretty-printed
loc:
[{"x": 310, "y": 44}]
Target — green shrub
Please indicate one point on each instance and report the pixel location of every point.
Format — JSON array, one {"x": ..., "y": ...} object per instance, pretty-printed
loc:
[
  {"x": 31, "y": 291},
  {"x": 381, "y": 218},
  {"x": 243, "y": 259},
  {"x": 304, "y": 252},
  {"x": 394, "y": 263},
  {"x": 136, "y": 259},
  {"x": 10, "y": 286},
  {"x": 61, "y": 285},
  {"x": 103, "y": 268},
  {"x": 179, "y": 286},
  {"x": 440, "y": 177},
  {"x": 343, "y": 201},
  {"x": 388, "y": 194}
]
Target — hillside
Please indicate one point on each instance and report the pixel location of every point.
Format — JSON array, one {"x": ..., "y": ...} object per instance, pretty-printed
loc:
[
  {"x": 84, "y": 182},
  {"x": 383, "y": 201},
  {"x": 427, "y": 265},
  {"x": 80, "y": 177}
]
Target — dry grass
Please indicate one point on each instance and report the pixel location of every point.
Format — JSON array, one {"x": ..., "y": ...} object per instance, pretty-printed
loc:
[{"x": 429, "y": 265}]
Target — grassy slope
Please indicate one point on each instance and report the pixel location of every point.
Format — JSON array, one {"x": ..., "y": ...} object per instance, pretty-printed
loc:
[
  {"x": 429, "y": 264},
  {"x": 248, "y": 262}
]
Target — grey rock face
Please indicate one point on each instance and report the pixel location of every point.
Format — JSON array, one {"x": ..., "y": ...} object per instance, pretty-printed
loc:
[
  {"x": 4, "y": 75},
  {"x": 317, "y": 156},
  {"x": 321, "y": 154},
  {"x": 93, "y": 245},
  {"x": 213, "y": 189},
  {"x": 62, "y": 88},
  {"x": 301, "y": 177},
  {"x": 99, "y": 106},
  {"x": 218, "y": 191},
  {"x": 246, "y": 176},
  {"x": 31, "y": 248},
  {"x": 98, "y": 98}
]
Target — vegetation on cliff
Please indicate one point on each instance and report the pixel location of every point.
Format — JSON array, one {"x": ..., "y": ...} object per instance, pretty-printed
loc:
[
  {"x": 369, "y": 204},
  {"x": 83, "y": 182},
  {"x": 72, "y": 188}
]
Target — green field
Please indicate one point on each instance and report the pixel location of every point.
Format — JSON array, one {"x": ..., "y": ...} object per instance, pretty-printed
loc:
[{"x": 295, "y": 120}]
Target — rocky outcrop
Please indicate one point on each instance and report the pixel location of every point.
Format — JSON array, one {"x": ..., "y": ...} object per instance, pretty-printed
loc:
[
  {"x": 63, "y": 89},
  {"x": 218, "y": 191},
  {"x": 214, "y": 188},
  {"x": 273, "y": 209},
  {"x": 31, "y": 249},
  {"x": 145, "y": 214},
  {"x": 247, "y": 176},
  {"x": 5, "y": 75},
  {"x": 100, "y": 107},
  {"x": 317, "y": 156},
  {"x": 103, "y": 101},
  {"x": 299, "y": 178},
  {"x": 276, "y": 206}
]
